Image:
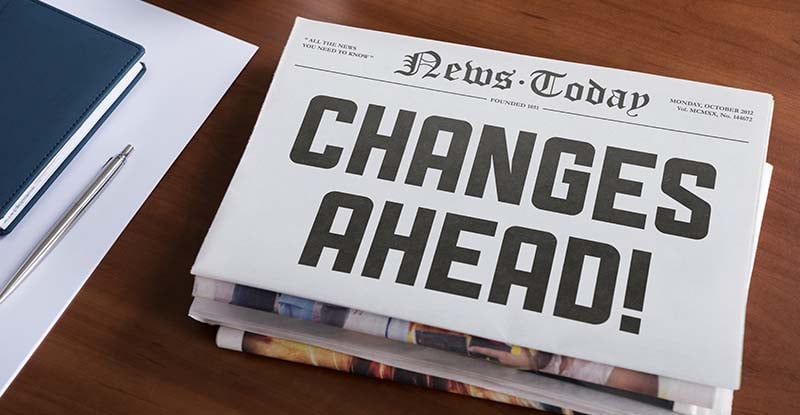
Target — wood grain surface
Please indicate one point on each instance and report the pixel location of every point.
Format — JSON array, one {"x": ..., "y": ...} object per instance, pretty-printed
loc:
[{"x": 126, "y": 346}]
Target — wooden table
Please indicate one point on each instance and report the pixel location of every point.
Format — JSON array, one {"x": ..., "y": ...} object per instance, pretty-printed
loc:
[{"x": 125, "y": 345}]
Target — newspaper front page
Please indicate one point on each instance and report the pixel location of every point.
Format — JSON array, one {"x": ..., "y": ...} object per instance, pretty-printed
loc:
[{"x": 530, "y": 201}]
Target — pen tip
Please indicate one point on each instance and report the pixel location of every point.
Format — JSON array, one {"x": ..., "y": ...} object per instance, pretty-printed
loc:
[{"x": 127, "y": 150}]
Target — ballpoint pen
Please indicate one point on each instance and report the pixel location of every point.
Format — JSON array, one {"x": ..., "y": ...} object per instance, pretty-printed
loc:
[{"x": 64, "y": 224}]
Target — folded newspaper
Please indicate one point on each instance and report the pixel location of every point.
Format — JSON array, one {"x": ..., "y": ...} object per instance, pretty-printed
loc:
[{"x": 548, "y": 234}]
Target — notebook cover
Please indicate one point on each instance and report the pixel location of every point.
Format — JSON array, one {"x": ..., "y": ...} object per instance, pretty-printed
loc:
[{"x": 58, "y": 68}]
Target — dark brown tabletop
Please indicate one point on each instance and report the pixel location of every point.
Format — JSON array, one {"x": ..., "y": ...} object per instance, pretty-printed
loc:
[{"x": 126, "y": 346}]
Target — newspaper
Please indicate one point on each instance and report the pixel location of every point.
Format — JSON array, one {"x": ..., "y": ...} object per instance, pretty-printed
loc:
[
  {"x": 255, "y": 310},
  {"x": 278, "y": 348},
  {"x": 405, "y": 331},
  {"x": 425, "y": 360},
  {"x": 534, "y": 202}
]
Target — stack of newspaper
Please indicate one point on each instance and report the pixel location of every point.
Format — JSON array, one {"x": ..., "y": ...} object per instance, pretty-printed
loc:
[{"x": 546, "y": 234}]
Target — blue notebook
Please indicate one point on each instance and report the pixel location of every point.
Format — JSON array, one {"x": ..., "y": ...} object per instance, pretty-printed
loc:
[{"x": 60, "y": 78}]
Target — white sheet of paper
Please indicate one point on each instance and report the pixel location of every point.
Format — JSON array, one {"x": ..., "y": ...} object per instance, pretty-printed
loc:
[{"x": 189, "y": 68}]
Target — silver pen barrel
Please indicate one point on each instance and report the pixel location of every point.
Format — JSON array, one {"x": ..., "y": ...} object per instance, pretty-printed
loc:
[{"x": 66, "y": 222}]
